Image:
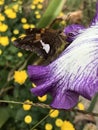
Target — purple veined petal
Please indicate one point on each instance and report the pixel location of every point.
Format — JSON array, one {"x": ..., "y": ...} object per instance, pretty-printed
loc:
[
  {"x": 38, "y": 74},
  {"x": 82, "y": 62},
  {"x": 95, "y": 19},
  {"x": 65, "y": 100},
  {"x": 72, "y": 31},
  {"x": 41, "y": 76},
  {"x": 73, "y": 73}
]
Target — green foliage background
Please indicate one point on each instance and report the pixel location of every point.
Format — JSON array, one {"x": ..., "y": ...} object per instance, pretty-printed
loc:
[{"x": 12, "y": 115}]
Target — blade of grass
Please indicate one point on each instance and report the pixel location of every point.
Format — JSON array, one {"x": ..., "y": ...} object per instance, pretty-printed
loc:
[
  {"x": 52, "y": 11},
  {"x": 4, "y": 115},
  {"x": 93, "y": 103},
  {"x": 47, "y": 106}
]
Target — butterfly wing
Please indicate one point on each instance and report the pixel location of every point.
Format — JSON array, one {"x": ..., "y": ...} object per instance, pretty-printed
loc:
[{"x": 44, "y": 42}]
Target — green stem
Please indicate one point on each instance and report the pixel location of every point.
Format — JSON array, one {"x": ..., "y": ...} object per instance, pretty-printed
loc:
[
  {"x": 42, "y": 105},
  {"x": 13, "y": 102},
  {"x": 41, "y": 120},
  {"x": 52, "y": 11},
  {"x": 93, "y": 103}
]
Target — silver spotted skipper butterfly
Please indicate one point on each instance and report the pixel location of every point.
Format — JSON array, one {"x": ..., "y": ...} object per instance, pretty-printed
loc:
[{"x": 47, "y": 43}]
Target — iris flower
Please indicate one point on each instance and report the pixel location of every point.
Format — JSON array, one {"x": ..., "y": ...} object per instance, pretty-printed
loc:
[{"x": 74, "y": 72}]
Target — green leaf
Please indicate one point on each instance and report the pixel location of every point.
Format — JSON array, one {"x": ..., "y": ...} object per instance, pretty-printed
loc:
[
  {"x": 20, "y": 114},
  {"x": 52, "y": 11},
  {"x": 93, "y": 103},
  {"x": 4, "y": 115}
]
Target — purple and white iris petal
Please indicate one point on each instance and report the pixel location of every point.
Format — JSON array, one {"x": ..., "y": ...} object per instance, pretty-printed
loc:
[
  {"x": 72, "y": 32},
  {"x": 73, "y": 73}
]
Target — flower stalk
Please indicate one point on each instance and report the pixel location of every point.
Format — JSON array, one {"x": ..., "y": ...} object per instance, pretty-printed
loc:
[{"x": 42, "y": 105}]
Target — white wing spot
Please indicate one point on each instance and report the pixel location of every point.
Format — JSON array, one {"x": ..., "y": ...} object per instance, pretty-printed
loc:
[{"x": 46, "y": 47}]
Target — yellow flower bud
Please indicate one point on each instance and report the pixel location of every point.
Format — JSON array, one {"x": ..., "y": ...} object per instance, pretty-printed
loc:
[
  {"x": 59, "y": 122},
  {"x": 54, "y": 114},
  {"x": 27, "y": 107},
  {"x": 26, "y": 26},
  {"x": 19, "y": 54},
  {"x": 67, "y": 126},
  {"x": 48, "y": 126},
  {"x": 3, "y": 27},
  {"x": 4, "y": 41},
  {"x": 43, "y": 98},
  {"x": 28, "y": 119},
  {"x": 81, "y": 106},
  {"x": 16, "y": 31},
  {"x": 23, "y": 20}
]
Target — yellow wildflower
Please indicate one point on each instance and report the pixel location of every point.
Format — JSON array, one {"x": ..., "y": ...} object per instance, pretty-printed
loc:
[
  {"x": 7, "y": 11},
  {"x": 16, "y": 31},
  {"x": 4, "y": 41},
  {"x": 0, "y": 52},
  {"x": 15, "y": 7},
  {"x": 35, "y": 2},
  {"x": 61, "y": 14},
  {"x": 67, "y": 126},
  {"x": 26, "y": 26},
  {"x": 33, "y": 6},
  {"x": 54, "y": 114},
  {"x": 2, "y": 17},
  {"x": 20, "y": 76},
  {"x": 23, "y": 20},
  {"x": 13, "y": 38},
  {"x": 36, "y": 12},
  {"x": 48, "y": 126},
  {"x": 39, "y": 6},
  {"x": 81, "y": 106},
  {"x": 38, "y": 16},
  {"x": 63, "y": 22},
  {"x": 1, "y": 2},
  {"x": 19, "y": 54},
  {"x": 59, "y": 122},
  {"x": 22, "y": 35},
  {"x": 41, "y": 1},
  {"x": 12, "y": 16},
  {"x": 27, "y": 107},
  {"x": 43, "y": 98},
  {"x": 10, "y": 13},
  {"x": 28, "y": 119},
  {"x": 32, "y": 26},
  {"x": 3, "y": 27}
]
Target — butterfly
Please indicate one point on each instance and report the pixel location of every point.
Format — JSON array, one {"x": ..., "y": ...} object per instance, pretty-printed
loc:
[{"x": 45, "y": 42}]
